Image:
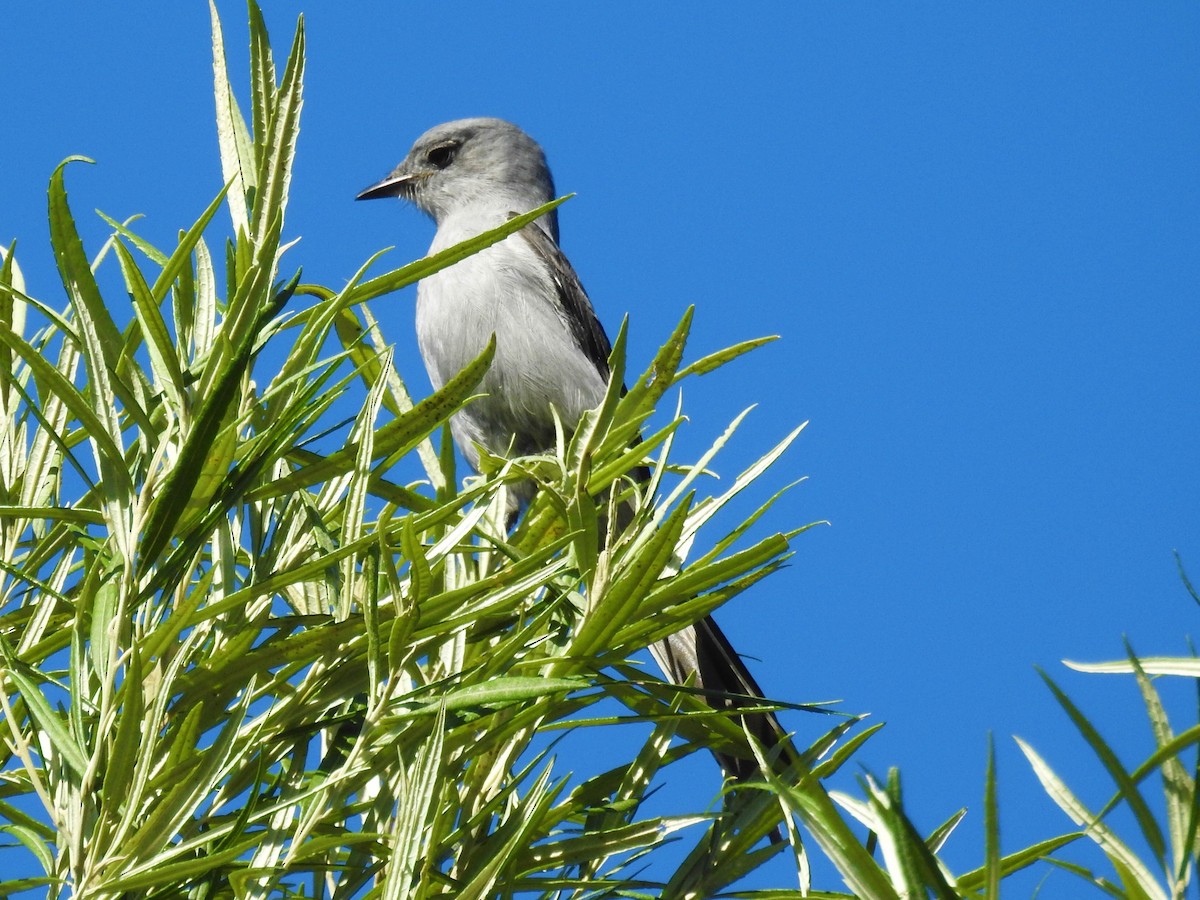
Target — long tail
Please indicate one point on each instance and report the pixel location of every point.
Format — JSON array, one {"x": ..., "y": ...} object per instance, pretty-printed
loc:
[{"x": 703, "y": 654}]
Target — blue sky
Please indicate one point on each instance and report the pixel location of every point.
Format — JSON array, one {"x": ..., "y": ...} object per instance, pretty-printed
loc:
[{"x": 975, "y": 227}]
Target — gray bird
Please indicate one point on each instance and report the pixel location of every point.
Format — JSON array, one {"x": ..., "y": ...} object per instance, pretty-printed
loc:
[{"x": 551, "y": 351}]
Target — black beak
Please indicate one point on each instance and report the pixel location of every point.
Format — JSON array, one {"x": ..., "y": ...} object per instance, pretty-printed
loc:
[{"x": 392, "y": 186}]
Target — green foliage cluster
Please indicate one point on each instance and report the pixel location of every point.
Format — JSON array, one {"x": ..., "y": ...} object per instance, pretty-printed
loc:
[{"x": 233, "y": 666}]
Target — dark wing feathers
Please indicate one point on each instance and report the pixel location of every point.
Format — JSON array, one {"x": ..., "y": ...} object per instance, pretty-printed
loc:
[
  {"x": 574, "y": 305},
  {"x": 700, "y": 651}
]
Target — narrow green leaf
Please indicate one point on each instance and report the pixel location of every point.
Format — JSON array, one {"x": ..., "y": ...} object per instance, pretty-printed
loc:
[
  {"x": 843, "y": 753},
  {"x": 122, "y": 228},
  {"x": 1185, "y": 666},
  {"x": 1112, "y": 846},
  {"x": 714, "y": 361},
  {"x": 279, "y": 141},
  {"x": 197, "y": 465},
  {"x": 976, "y": 880},
  {"x": 236, "y": 146},
  {"x": 610, "y": 610},
  {"x": 62, "y": 742},
  {"x": 180, "y": 258},
  {"x": 178, "y": 801},
  {"x": 1178, "y": 789},
  {"x": 13, "y": 307},
  {"x": 1183, "y": 576},
  {"x": 262, "y": 73},
  {"x": 164, "y": 875},
  {"x": 993, "y": 870},
  {"x": 401, "y": 432},
  {"x": 1137, "y": 804},
  {"x": 919, "y": 863},
  {"x": 697, "y": 579},
  {"x": 203, "y": 318},
  {"x": 417, "y": 795},
  {"x": 354, "y": 508},
  {"x": 76, "y": 272},
  {"x": 102, "y": 345},
  {"x": 422, "y": 268},
  {"x": 60, "y": 387},
  {"x": 159, "y": 345},
  {"x": 122, "y": 755},
  {"x": 658, "y": 378}
]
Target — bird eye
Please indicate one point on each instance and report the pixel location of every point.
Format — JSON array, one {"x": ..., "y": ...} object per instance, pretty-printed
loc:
[{"x": 442, "y": 155}]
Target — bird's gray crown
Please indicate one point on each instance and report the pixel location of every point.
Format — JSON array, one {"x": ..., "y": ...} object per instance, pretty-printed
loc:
[{"x": 471, "y": 163}]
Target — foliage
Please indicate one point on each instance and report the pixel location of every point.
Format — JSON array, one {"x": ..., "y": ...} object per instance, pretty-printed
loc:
[
  {"x": 195, "y": 600},
  {"x": 232, "y": 664},
  {"x": 1170, "y": 869}
]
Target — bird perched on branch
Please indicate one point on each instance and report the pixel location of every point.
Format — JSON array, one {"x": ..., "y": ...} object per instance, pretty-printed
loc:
[{"x": 473, "y": 175}]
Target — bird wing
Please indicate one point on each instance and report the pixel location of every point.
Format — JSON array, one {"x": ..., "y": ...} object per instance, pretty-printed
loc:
[
  {"x": 700, "y": 651},
  {"x": 573, "y": 303}
]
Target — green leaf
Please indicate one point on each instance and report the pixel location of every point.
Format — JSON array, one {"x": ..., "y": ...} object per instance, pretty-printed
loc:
[
  {"x": 61, "y": 388},
  {"x": 418, "y": 792},
  {"x": 62, "y": 744},
  {"x": 1138, "y": 877},
  {"x": 423, "y": 268},
  {"x": 977, "y": 879},
  {"x": 233, "y": 138},
  {"x": 279, "y": 140},
  {"x": 1112, "y": 765},
  {"x": 993, "y": 870},
  {"x": 168, "y": 376},
  {"x": 102, "y": 344},
  {"x": 714, "y": 361},
  {"x": 395, "y": 435}
]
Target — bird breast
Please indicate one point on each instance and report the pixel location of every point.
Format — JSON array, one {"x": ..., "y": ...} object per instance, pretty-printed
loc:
[{"x": 506, "y": 290}]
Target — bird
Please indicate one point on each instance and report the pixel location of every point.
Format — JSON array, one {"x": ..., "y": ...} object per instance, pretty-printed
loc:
[{"x": 551, "y": 354}]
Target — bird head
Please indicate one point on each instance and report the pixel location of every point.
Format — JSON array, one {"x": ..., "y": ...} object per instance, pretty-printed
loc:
[{"x": 468, "y": 163}]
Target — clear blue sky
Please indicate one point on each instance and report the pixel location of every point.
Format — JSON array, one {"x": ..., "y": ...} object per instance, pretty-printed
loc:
[{"x": 976, "y": 228}]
